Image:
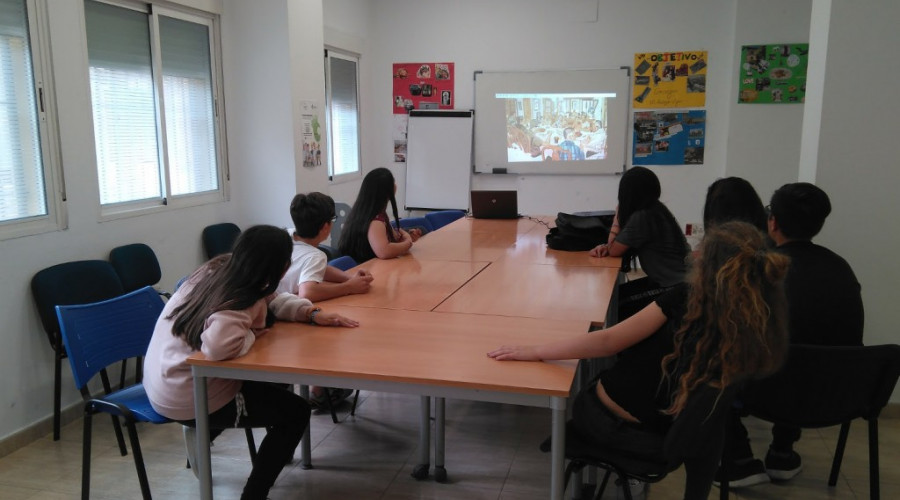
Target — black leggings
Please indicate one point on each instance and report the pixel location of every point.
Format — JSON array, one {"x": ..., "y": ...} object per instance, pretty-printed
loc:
[{"x": 284, "y": 414}]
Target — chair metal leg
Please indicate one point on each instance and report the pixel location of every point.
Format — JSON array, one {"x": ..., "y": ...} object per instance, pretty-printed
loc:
[
  {"x": 138, "y": 460},
  {"x": 57, "y": 396},
  {"x": 251, "y": 444},
  {"x": 603, "y": 483},
  {"x": 353, "y": 408},
  {"x": 86, "y": 455},
  {"x": 117, "y": 428},
  {"x": 874, "y": 481},
  {"x": 625, "y": 484},
  {"x": 838, "y": 454},
  {"x": 330, "y": 406}
]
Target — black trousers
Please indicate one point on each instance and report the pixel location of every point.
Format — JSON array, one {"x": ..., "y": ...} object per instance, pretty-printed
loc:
[
  {"x": 737, "y": 443},
  {"x": 284, "y": 414},
  {"x": 604, "y": 429}
]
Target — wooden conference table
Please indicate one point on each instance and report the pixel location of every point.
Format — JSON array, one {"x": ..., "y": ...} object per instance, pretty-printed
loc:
[{"x": 427, "y": 324}]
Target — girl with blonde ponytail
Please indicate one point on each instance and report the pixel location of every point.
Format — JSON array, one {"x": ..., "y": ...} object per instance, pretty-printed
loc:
[{"x": 724, "y": 325}]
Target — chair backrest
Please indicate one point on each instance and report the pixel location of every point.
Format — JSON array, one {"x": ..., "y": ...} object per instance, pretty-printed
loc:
[
  {"x": 822, "y": 386},
  {"x": 343, "y": 263},
  {"x": 136, "y": 265},
  {"x": 330, "y": 252},
  {"x": 441, "y": 218},
  {"x": 341, "y": 211},
  {"x": 420, "y": 223},
  {"x": 102, "y": 333},
  {"x": 219, "y": 238},
  {"x": 78, "y": 282}
]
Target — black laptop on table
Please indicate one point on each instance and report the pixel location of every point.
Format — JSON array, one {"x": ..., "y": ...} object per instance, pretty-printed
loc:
[{"x": 495, "y": 205}]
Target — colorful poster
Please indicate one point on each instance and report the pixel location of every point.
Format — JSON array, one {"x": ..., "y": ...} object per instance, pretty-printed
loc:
[
  {"x": 773, "y": 73},
  {"x": 311, "y": 133},
  {"x": 401, "y": 122},
  {"x": 669, "y": 137},
  {"x": 423, "y": 86},
  {"x": 670, "y": 80}
]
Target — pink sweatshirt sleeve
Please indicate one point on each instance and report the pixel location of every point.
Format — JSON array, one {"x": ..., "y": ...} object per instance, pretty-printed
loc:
[{"x": 226, "y": 333}]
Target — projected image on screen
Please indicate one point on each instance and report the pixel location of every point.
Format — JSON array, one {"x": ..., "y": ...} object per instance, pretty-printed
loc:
[{"x": 556, "y": 127}]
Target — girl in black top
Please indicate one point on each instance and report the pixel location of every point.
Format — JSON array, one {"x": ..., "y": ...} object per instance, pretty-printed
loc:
[
  {"x": 725, "y": 324},
  {"x": 645, "y": 228}
]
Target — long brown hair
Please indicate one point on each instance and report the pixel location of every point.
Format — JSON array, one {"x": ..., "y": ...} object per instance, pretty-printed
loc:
[
  {"x": 234, "y": 281},
  {"x": 734, "y": 326}
]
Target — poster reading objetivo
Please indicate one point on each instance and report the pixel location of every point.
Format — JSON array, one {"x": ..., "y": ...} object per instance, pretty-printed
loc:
[
  {"x": 423, "y": 86},
  {"x": 670, "y": 80},
  {"x": 773, "y": 73},
  {"x": 669, "y": 137}
]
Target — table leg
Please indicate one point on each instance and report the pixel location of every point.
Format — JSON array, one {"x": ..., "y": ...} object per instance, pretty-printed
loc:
[
  {"x": 557, "y": 452},
  {"x": 305, "y": 444},
  {"x": 201, "y": 410},
  {"x": 440, "y": 473},
  {"x": 420, "y": 471}
]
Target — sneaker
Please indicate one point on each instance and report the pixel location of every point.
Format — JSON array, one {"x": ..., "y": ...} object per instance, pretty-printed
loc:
[
  {"x": 190, "y": 443},
  {"x": 338, "y": 395},
  {"x": 638, "y": 489},
  {"x": 782, "y": 465},
  {"x": 743, "y": 473}
]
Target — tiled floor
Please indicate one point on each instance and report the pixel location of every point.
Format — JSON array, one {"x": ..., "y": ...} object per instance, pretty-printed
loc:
[{"x": 492, "y": 453}]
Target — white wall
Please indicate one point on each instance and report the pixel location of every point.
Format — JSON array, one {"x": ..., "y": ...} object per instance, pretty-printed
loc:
[
  {"x": 764, "y": 139},
  {"x": 857, "y": 164},
  {"x": 26, "y": 360},
  {"x": 513, "y": 35}
]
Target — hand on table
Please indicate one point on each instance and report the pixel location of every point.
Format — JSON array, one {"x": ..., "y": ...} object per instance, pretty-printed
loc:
[
  {"x": 600, "y": 251},
  {"x": 515, "y": 352},
  {"x": 334, "y": 319},
  {"x": 360, "y": 282}
]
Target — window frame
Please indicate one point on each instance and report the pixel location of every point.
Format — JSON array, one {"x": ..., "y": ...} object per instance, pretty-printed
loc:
[
  {"x": 168, "y": 201},
  {"x": 44, "y": 87},
  {"x": 329, "y": 134}
]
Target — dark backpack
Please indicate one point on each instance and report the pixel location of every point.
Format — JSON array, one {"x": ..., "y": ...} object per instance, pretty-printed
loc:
[{"x": 580, "y": 231}]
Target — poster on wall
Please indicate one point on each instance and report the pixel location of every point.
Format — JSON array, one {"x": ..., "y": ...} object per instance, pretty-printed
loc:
[
  {"x": 311, "y": 133},
  {"x": 773, "y": 73},
  {"x": 669, "y": 137},
  {"x": 398, "y": 132},
  {"x": 669, "y": 80},
  {"x": 423, "y": 86}
]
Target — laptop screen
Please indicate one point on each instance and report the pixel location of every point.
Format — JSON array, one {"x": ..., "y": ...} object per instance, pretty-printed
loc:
[{"x": 495, "y": 205}]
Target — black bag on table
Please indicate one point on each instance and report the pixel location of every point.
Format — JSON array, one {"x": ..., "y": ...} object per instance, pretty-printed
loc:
[{"x": 581, "y": 231}]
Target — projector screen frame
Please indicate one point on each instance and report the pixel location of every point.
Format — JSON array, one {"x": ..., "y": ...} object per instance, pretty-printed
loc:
[{"x": 494, "y": 130}]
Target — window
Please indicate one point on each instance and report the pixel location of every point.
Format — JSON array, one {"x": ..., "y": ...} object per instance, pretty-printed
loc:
[
  {"x": 342, "y": 113},
  {"x": 29, "y": 202},
  {"x": 154, "y": 91}
]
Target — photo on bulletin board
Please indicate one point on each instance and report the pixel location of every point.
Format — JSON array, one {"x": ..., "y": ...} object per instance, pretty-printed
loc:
[
  {"x": 773, "y": 74},
  {"x": 669, "y": 137},
  {"x": 422, "y": 86},
  {"x": 669, "y": 80}
]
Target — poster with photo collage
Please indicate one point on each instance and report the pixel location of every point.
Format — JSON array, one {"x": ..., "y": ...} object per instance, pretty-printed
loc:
[
  {"x": 669, "y": 137},
  {"x": 418, "y": 86},
  {"x": 773, "y": 74}
]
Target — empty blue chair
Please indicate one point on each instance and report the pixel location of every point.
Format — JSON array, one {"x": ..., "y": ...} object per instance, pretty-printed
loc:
[
  {"x": 441, "y": 218},
  {"x": 343, "y": 263},
  {"x": 98, "y": 335}
]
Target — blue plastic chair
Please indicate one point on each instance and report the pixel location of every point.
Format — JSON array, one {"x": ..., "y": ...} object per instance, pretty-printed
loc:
[
  {"x": 98, "y": 335},
  {"x": 441, "y": 218},
  {"x": 420, "y": 223},
  {"x": 343, "y": 263}
]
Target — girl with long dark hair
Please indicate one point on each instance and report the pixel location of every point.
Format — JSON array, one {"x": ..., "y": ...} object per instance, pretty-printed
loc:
[
  {"x": 725, "y": 324},
  {"x": 219, "y": 311},
  {"x": 368, "y": 233},
  {"x": 645, "y": 228}
]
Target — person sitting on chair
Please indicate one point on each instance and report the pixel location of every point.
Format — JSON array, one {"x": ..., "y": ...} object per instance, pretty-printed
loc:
[
  {"x": 568, "y": 149},
  {"x": 824, "y": 308},
  {"x": 725, "y": 325}
]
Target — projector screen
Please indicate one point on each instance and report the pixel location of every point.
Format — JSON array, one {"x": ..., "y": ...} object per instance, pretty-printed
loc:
[{"x": 551, "y": 122}]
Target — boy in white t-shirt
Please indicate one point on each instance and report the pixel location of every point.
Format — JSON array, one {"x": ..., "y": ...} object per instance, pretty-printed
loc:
[{"x": 310, "y": 276}]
